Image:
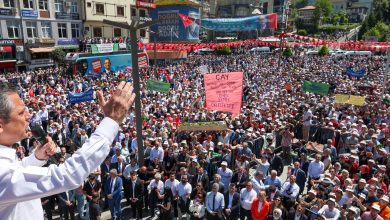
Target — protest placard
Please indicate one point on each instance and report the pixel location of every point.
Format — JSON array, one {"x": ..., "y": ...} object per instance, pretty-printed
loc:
[
  {"x": 350, "y": 99},
  {"x": 80, "y": 97},
  {"x": 203, "y": 126},
  {"x": 224, "y": 91},
  {"x": 159, "y": 86},
  {"x": 314, "y": 87}
]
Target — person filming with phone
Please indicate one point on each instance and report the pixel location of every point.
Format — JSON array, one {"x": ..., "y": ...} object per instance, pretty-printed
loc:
[{"x": 24, "y": 182}]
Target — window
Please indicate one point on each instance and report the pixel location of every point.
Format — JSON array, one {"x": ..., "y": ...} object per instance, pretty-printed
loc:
[
  {"x": 59, "y": 5},
  {"x": 43, "y": 5},
  {"x": 97, "y": 32},
  {"x": 62, "y": 33},
  {"x": 13, "y": 29},
  {"x": 120, "y": 11},
  {"x": 117, "y": 32},
  {"x": 142, "y": 33},
  {"x": 89, "y": 4},
  {"x": 75, "y": 30},
  {"x": 9, "y": 3},
  {"x": 46, "y": 30},
  {"x": 142, "y": 13},
  {"x": 31, "y": 28},
  {"x": 28, "y": 3},
  {"x": 100, "y": 9},
  {"x": 133, "y": 12},
  {"x": 74, "y": 8}
]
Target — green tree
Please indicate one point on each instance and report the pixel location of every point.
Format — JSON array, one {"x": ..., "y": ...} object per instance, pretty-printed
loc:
[
  {"x": 323, "y": 7},
  {"x": 58, "y": 55},
  {"x": 323, "y": 51},
  {"x": 302, "y": 32},
  {"x": 287, "y": 52},
  {"x": 224, "y": 50},
  {"x": 300, "y": 3}
]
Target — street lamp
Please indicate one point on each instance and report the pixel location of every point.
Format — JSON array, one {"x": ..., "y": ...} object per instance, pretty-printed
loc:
[
  {"x": 154, "y": 51},
  {"x": 133, "y": 27},
  {"x": 286, "y": 11}
]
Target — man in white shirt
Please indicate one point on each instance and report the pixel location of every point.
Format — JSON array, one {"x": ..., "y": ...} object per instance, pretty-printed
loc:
[
  {"x": 290, "y": 191},
  {"x": 316, "y": 168},
  {"x": 329, "y": 211},
  {"x": 247, "y": 196},
  {"x": 225, "y": 173},
  {"x": 25, "y": 182},
  {"x": 172, "y": 183},
  {"x": 184, "y": 190},
  {"x": 155, "y": 187}
]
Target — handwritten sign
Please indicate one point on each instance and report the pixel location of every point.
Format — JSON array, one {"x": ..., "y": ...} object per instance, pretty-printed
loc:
[
  {"x": 224, "y": 92},
  {"x": 203, "y": 126}
]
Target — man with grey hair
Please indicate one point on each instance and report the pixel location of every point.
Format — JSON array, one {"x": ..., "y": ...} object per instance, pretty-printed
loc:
[
  {"x": 25, "y": 182},
  {"x": 217, "y": 179},
  {"x": 215, "y": 202},
  {"x": 156, "y": 190},
  {"x": 114, "y": 193}
]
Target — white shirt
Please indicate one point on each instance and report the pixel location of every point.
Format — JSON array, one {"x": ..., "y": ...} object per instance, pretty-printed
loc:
[
  {"x": 159, "y": 152},
  {"x": 226, "y": 175},
  {"x": 159, "y": 185},
  {"x": 316, "y": 169},
  {"x": 128, "y": 169},
  {"x": 247, "y": 198},
  {"x": 294, "y": 189},
  {"x": 24, "y": 183},
  {"x": 183, "y": 190},
  {"x": 172, "y": 185},
  {"x": 258, "y": 185}
]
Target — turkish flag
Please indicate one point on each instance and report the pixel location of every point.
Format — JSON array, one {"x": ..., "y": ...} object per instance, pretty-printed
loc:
[{"x": 187, "y": 21}]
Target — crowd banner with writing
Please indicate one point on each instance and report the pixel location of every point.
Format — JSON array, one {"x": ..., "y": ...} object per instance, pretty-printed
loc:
[
  {"x": 203, "y": 69},
  {"x": 314, "y": 87},
  {"x": 177, "y": 23},
  {"x": 80, "y": 97},
  {"x": 104, "y": 48},
  {"x": 350, "y": 99},
  {"x": 268, "y": 21},
  {"x": 143, "y": 61},
  {"x": 224, "y": 91},
  {"x": 159, "y": 86},
  {"x": 203, "y": 126},
  {"x": 360, "y": 73}
]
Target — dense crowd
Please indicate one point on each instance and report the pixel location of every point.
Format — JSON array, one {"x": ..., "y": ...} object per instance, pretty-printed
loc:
[{"x": 336, "y": 154}]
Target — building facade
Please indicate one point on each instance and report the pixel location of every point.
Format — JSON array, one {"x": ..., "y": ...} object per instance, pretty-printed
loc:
[
  {"x": 31, "y": 29},
  {"x": 119, "y": 11},
  {"x": 306, "y": 14}
]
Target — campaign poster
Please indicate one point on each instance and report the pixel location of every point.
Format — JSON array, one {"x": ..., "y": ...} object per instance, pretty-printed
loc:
[
  {"x": 267, "y": 21},
  {"x": 176, "y": 23},
  {"x": 96, "y": 65}
]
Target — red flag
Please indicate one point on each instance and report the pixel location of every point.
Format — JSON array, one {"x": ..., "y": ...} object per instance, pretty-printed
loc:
[{"x": 187, "y": 21}]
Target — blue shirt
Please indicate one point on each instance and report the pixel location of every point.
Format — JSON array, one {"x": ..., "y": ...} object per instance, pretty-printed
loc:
[
  {"x": 273, "y": 182},
  {"x": 219, "y": 202}
]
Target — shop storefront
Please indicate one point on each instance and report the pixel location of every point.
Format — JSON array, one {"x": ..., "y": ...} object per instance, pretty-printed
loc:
[
  {"x": 41, "y": 57},
  {"x": 8, "y": 56}
]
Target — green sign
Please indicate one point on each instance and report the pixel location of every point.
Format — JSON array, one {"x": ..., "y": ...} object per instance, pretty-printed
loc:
[
  {"x": 159, "y": 86},
  {"x": 317, "y": 88},
  {"x": 104, "y": 48}
]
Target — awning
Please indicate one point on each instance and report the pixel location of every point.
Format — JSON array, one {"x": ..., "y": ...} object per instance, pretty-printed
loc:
[
  {"x": 5, "y": 49},
  {"x": 7, "y": 63},
  {"x": 42, "y": 50}
]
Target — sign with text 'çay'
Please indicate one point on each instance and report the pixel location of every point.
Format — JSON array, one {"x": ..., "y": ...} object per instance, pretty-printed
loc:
[{"x": 224, "y": 92}]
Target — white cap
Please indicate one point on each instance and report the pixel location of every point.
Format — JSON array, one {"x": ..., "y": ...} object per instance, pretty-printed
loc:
[
  {"x": 224, "y": 163},
  {"x": 376, "y": 207}
]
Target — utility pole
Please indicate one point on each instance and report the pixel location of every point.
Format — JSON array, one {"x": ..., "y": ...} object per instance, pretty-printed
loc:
[
  {"x": 286, "y": 8},
  {"x": 133, "y": 27}
]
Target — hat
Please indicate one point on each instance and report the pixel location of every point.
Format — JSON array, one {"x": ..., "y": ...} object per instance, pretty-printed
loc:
[
  {"x": 349, "y": 189},
  {"x": 385, "y": 198},
  {"x": 224, "y": 163},
  {"x": 353, "y": 209},
  {"x": 332, "y": 200},
  {"x": 313, "y": 191},
  {"x": 376, "y": 207},
  {"x": 362, "y": 181},
  {"x": 362, "y": 195},
  {"x": 195, "y": 160}
]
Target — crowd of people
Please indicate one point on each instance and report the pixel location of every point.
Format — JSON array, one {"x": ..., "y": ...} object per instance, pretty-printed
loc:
[{"x": 337, "y": 155}]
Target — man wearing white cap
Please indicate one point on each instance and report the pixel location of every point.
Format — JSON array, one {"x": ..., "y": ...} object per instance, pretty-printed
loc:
[
  {"x": 329, "y": 211},
  {"x": 373, "y": 214},
  {"x": 384, "y": 207},
  {"x": 225, "y": 173}
]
